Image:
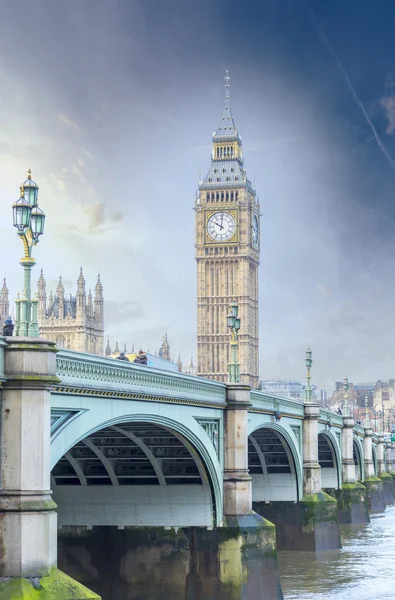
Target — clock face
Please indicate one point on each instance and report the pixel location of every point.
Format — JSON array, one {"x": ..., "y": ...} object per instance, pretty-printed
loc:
[
  {"x": 221, "y": 226},
  {"x": 255, "y": 230}
]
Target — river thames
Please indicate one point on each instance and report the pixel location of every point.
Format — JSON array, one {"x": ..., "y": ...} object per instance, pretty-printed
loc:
[{"x": 362, "y": 570}]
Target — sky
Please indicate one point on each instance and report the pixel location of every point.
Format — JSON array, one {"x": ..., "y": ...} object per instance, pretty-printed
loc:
[{"x": 112, "y": 104}]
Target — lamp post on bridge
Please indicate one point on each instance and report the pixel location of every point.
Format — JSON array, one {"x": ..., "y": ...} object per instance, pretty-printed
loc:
[
  {"x": 234, "y": 326},
  {"x": 309, "y": 364},
  {"x": 29, "y": 220},
  {"x": 345, "y": 405},
  {"x": 379, "y": 428}
]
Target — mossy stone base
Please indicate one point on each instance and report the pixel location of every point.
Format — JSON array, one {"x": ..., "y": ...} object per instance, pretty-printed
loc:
[
  {"x": 237, "y": 561},
  {"x": 388, "y": 488},
  {"x": 392, "y": 473},
  {"x": 352, "y": 506},
  {"x": 57, "y": 586},
  {"x": 374, "y": 494},
  {"x": 309, "y": 525},
  {"x": 135, "y": 562}
]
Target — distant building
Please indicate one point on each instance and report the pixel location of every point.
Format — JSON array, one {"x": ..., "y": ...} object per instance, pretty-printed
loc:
[
  {"x": 73, "y": 322},
  {"x": 190, "y": 369},
  {"x": 293, "y": 389},
  {"x": 4, "y": 303},
  {"x": 356, "y": 395},
  {"x": 164, "y": 350}
]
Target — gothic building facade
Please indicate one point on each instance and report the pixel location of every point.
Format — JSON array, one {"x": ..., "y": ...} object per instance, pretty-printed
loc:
[
  {"x": 164, "y": 350},
  {"x": 227, "y": 241},
  {"x": 4, "y": 303},
  {"x": 73, "y": 322}
]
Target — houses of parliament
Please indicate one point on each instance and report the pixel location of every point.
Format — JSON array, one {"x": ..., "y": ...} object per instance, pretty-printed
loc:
[{"x": 227, "y": 243}]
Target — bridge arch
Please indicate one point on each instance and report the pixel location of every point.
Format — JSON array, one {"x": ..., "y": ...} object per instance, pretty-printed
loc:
[
  {"x": 374, "y": 457},
  {"x": 329, "y": 458},
  {"x": 358, "y": 458},
  {"x": 186, "y": 443},
  {"x": 274, "y": 463}
]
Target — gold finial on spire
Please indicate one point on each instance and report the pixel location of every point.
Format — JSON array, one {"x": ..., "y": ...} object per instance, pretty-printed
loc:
[
  {"x": 227, "y": 78},
  {"x": 29, "y": 173},
  {"x": 22, "y": 190}
]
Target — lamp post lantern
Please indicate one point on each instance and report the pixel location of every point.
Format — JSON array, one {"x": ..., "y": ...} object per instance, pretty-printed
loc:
[
  {"x": 309, "y": 364},
  {"x": 345, "y": 405},
  {"x": 233, "y": 320},
  {"x": 29, "y": 220}
]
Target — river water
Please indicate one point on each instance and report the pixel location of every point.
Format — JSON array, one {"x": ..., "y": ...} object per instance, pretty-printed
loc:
[{"x": 364, "y": 569}]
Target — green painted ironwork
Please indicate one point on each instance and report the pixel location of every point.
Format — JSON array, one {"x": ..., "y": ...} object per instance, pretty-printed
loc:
[
  {"x": 88, "y": 371},
  {"x": 309, "y": 364},
  {"x": 234, "y": 325},
  {"x": 29, "y": 220},
  {"x": 345, "y": 405}
]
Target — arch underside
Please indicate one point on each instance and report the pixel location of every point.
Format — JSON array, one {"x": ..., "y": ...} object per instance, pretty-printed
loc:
[
  {"x": 271, "y": 466},
  {"x": 328, "y": 463},
  {"x": 357, "y": 461},
  {"x": 131, "y": 474},
  {"x": 374, "y": 458}
]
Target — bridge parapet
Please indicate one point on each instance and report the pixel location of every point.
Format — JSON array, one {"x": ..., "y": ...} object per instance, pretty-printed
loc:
[
  {"x": 106, "y": 376},
  {"x": 2, "y": 346},
  {"x": 330, "y": 417},
  {"x": 359, "y": 430},
  {"x": 269, "y": 404}
]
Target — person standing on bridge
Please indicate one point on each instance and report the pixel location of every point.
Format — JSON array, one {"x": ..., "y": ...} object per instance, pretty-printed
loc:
[
  {"x": 142, "y": 358},
  {"x": 8, "y": 327},
  {"x": 122, "y": 356}
]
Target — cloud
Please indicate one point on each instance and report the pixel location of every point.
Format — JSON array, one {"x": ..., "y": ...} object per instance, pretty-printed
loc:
[
  {"x": 68, "y": 122},
  {"x": 118, "y": 313},
  {"x": 388, "y": 104},
  {"x": 95, "y": 218}
]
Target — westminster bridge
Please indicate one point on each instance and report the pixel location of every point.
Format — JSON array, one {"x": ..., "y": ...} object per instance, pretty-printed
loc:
[{"x": 168, "y": 485}]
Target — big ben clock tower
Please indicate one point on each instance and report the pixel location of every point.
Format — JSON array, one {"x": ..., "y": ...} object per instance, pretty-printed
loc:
[{"x": 227, "y": 233}]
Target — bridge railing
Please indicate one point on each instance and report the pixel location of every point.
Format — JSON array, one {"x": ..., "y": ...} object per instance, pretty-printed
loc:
[
  {"x": 2, "y": 346},
  {"x": 329, "y": 416},
  {"x": 268, "y": 403},
  {"x": 96, "y": 373},
  {"x": 359, "y": 429}
]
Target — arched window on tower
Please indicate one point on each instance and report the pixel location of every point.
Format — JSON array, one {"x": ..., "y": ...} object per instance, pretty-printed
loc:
[
  {"x": 222, "y": 196},
  {"x": 237, "y": 196},
  {"x": 232, "y": 196},
  {"x": 227, "y": 195},
  {"x": 212, "y": 196},
  {"x": 217, "y": 196},
  {"x": 208, "y": 197},
  {"x": 60, "y": 341}
]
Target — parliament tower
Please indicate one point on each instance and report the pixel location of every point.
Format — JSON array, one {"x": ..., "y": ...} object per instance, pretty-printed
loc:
[{"x": 227, "y": 234}]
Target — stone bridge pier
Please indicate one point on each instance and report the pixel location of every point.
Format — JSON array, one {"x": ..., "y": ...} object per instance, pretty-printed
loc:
[
  {"x": 351, "y": 497},
  {"x": 28, "y": 531},
  {"x": 374, "y": 485},
  {"x": 306, "y": 522}
]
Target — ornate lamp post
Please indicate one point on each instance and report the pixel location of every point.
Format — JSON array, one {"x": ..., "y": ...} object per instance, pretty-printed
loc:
[
  {"x": 367, "y": 424},
  {"x": 379, "y": 426},
  {"x": 309, "y": 364},
  {"x": 234, "y": 326},
  {"x": 29, "y": 220},
  {"x": 345, "y": 405}
]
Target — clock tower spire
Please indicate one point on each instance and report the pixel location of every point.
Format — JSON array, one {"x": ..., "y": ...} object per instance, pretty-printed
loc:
[{"x": 227, "y": 255}]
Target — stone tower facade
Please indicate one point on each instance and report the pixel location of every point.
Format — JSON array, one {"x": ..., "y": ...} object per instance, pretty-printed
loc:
[
  {"x": 164, "y": 350},
  {"x": 227, "y": 230},
  {"x": 73, "y": 322},
  {"x": 4, "y": 303}
]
